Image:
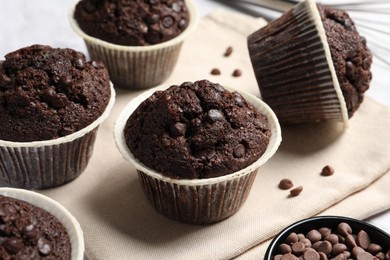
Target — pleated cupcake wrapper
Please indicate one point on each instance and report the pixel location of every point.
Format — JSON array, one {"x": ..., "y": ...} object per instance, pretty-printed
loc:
[
  {"x": 199, "y": 201},
  {"x": 137, "y": 67},
  {"x": 47, "y": 164},
  {"x": 294, "y": 68},
  {"x": 70, "y": 223},
  {"x": 200, "y": 204}
]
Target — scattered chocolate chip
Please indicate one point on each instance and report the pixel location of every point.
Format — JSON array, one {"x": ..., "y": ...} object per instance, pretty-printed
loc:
[
  {"x": 205, "y": 155},
  {"x": 215, "y": 71},
  {"x": 350, "y": 69},
  {"x": 285, "y": 248},
  {"x": 298, "y": 247},
  {"x": 65, "y": 81},
  {"x": 344, "y": 229},
  {"x": 364, "y": 40},
  {"x": 366, "y": 64},
  {"x": 285, "y": 184},
  {"x": 168, "y": 21},
  {"x": 239, "y": 151},
  {"x": 296, "y": 191},
  {"x": 215, "y": 115},
  {"x": 313, "y": 235},
  {"x": 95, "y": 64},
  {"x": 332, "y": 238},
  {"x": 29, "y": 231},
  {"x": 237, "y": 73},
  {"x": 327, "y": 171},
  {"x": 228, "y": 51}
]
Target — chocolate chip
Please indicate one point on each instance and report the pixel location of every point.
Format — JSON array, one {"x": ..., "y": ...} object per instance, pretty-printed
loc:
[
  {"x": 314, "y": 235},
  {"x": 284, "y": 248},
  {"x": 4, "y": 80},
  {"x": 95, "y": 64},
  {"x": 364, "y": 40},
  {"x": 350, "y": 241},
  {"x": 365, "y": 256},
  {"x": 239, "y": 151},
  {"x": 214, "y": 115},
  {"x": 228, "y": 51},
  {"x": 65, "y": 81},
  {"x": 153, "y": 2},
  {"x": 350, "y": 69},
  {"x": 79, "y": 64},
  {"x": 178, "y": 129},
  {"x": 344, "y": 229},
  {"x": 374, "y": 248},
  {"x": 219, "y": 88},
  {"x": 176, "y": 7},
  {"x": 205, "y": 155},
  {"x": 13, "y": 245},
  {"x": 366, "y": 63},
  {"x": 237, "y": 73},
  {"x": 238, "y": 100},
  {"x": 285, "y": 184},
  {"x": 332, "y": 238},
  {"x": 327, "y": 171},
  {"x": 363, "y": 240},
  {"x": 298, "y": 247},
  {"x": 296, "y": 191},
  {"x": 152, "y": 19},
  {"x": 325, "y": 247},
  {"x": 325, "y": 231},
  {"x": 59, "y": 101},
  {"x": 215, "y": 71},
  {"x": 48, "y": 94},
  {"x": 182, "y": 23},
  {"x": 311, "y": 254},
  {"x": 348, "y": 24},
  {"x": 168, "y": 21},
  {"x": 44, "y": 246},
  {"x": 338, "y": 248},
  {"x": 292, "y": 238},
  {"x": 29, "y": 231}
]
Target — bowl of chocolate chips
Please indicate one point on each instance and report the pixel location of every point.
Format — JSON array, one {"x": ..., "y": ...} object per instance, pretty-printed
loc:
[{"x": 330, "y": 237}]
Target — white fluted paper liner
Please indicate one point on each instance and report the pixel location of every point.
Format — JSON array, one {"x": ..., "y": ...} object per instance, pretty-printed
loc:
[
  {"x": 50, "y": 163},
  {"x": 198, "y": 201},
  {"x": 294, "y": 68},
  {"x": 70, "y": 223},
  {"x": 137, "y": 67}
]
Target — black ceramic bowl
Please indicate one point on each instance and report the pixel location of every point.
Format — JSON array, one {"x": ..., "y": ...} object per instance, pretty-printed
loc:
[{"x": 377, "y": 235}]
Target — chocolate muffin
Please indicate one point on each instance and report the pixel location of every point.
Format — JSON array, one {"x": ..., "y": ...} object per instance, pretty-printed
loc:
[
  {"x": 197, "y": 130},
  {"x": 29, "y": 232},
  {"x": 351, "y": 57},
  {"x": 311, "y": 64},
  {"x": 46, "y": 93},
  {"x": 132, "y": 23}
]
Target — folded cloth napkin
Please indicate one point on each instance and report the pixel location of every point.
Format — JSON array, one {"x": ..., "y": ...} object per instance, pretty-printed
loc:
[{"x": 119, "y": 223}]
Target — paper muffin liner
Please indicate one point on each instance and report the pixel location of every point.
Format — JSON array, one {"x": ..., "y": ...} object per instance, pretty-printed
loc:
[
  {"x": 137, "y": 67},
  {"x": 294, "y": 68},
  {"x": 198, "y": 201},
  {"x": 70, "y": 223},
  {"x": 50, "y": 163}
]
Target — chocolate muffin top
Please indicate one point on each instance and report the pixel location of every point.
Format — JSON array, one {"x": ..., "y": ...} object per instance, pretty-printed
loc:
[
  {"x": 29, "y": 232},
  {"x": 46, "y": 93},
  {"x": 351, "y": 57},
  {"x": 197, "y": 130},
  {"x": 132, "y": 23}
]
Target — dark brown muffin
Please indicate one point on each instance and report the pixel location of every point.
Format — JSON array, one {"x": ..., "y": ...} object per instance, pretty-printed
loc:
[
  {"x": 46, "y": 93},
  {"x": 351, "y": 57},
  {"x": 132, "y": 23},
  {"x": 295, "y": 73},
  {"x": 197, "y": 130},
  {"x": 29, "y": 232}
]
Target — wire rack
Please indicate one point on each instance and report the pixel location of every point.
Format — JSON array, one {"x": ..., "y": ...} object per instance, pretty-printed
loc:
[{"x": 371, "y": 17}]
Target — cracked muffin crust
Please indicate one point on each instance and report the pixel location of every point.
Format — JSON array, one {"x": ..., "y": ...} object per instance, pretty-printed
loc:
[
  {"x": 132, "y": 23},
  {"x": 197, "y": 130},
  {"x": 46, "y": 93},
  {"x": 350, "y": 55}
]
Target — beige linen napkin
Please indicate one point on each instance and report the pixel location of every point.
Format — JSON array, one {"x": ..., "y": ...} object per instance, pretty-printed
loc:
[{"x": 119, "y": 223}]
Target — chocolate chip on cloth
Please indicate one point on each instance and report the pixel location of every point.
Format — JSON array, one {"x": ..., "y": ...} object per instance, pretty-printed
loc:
[
  {"x": 197, "y": 130},
  {"x": 46, "y": 93},
  {"x": 132, "y": 23},
  {"x": 29, "y": 232}
]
